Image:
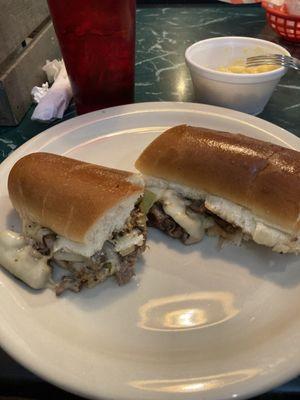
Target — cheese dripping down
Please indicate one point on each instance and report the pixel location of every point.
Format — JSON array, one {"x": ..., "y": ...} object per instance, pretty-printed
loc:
[
  {"x": 175, "y": 206},
  {"x": 21, "y": 260}
]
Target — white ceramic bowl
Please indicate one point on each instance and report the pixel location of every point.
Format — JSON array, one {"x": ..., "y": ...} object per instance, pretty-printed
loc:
[{"x": 243, "y": 92}]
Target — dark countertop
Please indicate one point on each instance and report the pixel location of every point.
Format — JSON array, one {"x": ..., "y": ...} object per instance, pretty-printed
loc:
[{"x": 163, "y": 33}]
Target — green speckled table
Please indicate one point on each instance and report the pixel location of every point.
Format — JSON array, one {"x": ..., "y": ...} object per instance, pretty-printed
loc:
[{"x": 163, "y": 33}]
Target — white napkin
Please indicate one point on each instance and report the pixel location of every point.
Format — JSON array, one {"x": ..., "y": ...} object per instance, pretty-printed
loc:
[
  {"x": 39, "y": 91},
  {"x": 52, "y": 102},
  {"x": 52, "y": 69}
]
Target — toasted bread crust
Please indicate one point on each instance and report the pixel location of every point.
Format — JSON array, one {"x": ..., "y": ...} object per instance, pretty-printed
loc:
[
  {"x": 258, "y": 175},
  {"x": 66, "y": 195}
]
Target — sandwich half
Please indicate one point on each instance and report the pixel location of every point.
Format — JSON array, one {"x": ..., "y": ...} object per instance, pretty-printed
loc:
[
  {"x": 85, "y": 218},
  {"x": 239, "y": 188}
]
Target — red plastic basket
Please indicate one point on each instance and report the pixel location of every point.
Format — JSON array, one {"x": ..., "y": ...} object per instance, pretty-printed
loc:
[{"x": 286, "y": 25}]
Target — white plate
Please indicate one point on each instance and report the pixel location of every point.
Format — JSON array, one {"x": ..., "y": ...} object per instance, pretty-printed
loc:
[{"x": 195, "y": 323}]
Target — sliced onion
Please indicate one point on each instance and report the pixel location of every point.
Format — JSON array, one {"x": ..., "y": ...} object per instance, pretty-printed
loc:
[
  {"x": 191, "y": 240},
  {"x": 66, "y": 256},
  {"x": 111, "y": 255},
  {"x": 127, "y": 251}
]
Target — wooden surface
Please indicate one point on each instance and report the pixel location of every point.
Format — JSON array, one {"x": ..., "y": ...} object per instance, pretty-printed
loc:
[
  {"x": 18, "y": 19},
  {"x": 23, "y": 72}
]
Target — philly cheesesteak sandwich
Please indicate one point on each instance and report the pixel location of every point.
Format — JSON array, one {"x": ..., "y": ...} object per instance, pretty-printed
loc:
[
  {"x": 84, "y": 218},
  {"x": 230, "y": 185}
]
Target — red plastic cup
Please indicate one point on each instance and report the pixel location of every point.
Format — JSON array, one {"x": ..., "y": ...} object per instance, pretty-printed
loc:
[{"x": 97, "y": 40}]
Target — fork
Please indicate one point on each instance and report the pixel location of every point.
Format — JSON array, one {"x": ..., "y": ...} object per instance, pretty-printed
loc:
[{"x": 274, "y": 59}]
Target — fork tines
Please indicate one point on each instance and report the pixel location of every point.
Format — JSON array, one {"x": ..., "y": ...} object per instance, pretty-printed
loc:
[{"x": 276, "y": 59}]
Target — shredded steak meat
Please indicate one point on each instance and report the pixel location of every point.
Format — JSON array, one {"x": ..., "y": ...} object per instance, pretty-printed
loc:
[
  {"x": 157, "y": 218},
  {"x": 126, "y": 271},
  {"x": 88, "y": 272},
  {"x": 197, "y": 206},
  {"x": 136, "y": 220},
  {"x": 90, "y": 276},
  {"x": 85, "y": 277},
  {"x": 99, "y": 267},
  {"x": 45, "y": 246},
  {"x": 224, "y": 225},
  {"x": 67, "y": 283}
]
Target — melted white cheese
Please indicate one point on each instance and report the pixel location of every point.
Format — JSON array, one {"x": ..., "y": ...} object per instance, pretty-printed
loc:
[
  {"x": 69, "y": 246},
  {"x": 175, "y": 206},
  {"x": 250, "y": 224},
  {"x": 157, "y": 185},
  {"x": 127, "y": 241},
  {"x": 77, "y": 251},
  {"x": 21, "y": 260}
]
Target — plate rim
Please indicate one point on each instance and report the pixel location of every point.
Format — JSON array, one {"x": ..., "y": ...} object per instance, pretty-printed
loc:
[
  {"x": 108, "y": 113},
  {"x": 6, "y": 341}
]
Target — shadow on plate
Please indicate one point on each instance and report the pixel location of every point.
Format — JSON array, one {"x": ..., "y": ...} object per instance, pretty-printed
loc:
[
  {"x": 13, "y": 221},
  {"x": 261, "y": 261}
]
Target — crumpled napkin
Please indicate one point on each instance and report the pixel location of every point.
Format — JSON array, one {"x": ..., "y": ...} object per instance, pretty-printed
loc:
[
  {"x": 52, "y": 69},
  {"x": 39, "y": 91},
  {"x": 53, "y": 101}
]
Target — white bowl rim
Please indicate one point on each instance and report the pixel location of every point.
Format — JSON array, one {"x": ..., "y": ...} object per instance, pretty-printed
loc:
[{"x": 268, "y": 74}]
